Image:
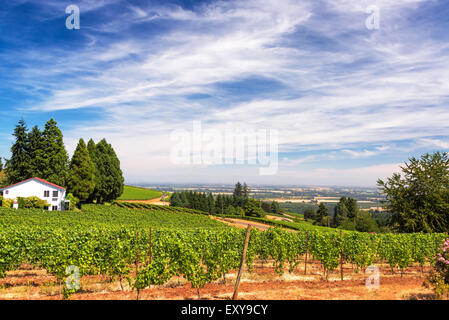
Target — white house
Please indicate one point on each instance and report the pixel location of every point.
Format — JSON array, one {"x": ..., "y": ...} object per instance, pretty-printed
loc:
[{"x": 50, "y": 192}]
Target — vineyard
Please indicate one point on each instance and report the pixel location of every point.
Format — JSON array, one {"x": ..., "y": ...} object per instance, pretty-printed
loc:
[
  {"x": 149, "y": 247},
  {"x": 157, "y": 208}
]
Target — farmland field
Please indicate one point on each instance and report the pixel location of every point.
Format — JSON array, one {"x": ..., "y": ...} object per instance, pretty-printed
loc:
[
  {"x": 136, "y": 193},
  {"x": 109, "y": 244}
]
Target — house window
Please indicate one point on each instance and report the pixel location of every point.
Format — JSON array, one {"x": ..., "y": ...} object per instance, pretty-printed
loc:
[
  {"x": 7, "y": 192},
  {"x": 54, "y": 208},
  {"x": 46, "y": 194},
  {"x": 55, "y": 194}
]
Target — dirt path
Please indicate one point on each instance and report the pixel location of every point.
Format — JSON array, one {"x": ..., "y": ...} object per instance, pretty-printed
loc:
[
  {"x": 278, "y": 218},
  {"x": 242, "y": 224},
  {"x": 156, "y": 201}
]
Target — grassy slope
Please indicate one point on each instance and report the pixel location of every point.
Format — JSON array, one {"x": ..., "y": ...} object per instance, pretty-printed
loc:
[{"x": 136, "y": 193}]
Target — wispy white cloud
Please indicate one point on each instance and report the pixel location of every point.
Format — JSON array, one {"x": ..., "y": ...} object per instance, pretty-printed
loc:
[{"x": 341, "y": 86}]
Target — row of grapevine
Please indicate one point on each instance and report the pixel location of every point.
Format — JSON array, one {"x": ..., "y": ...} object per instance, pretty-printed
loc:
[
  {"x": 149, "y": 206},
  {"x": 200, "y": 256}
]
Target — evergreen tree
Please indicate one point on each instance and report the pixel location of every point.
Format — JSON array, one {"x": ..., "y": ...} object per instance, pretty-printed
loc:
[
  {"x": 36, "y": 152},
  {"x": 275, "y": 208},
  {"x": 110, "y": 181},
  {"x": 54, "y": 155},
  {"x": 238, "y": 190},
  {"x": 175, "y": 200},
  {"x": 184, "y": 200},
  {"x": 309, "y": 214},
  {"x": 340, "y": 212},
  {"x": 228, "y": 201},
  {"x": 91, "y": 148},
  {"x": 219, "y": 205},
  {"x": 245, "y": 191},
  {"x": 253, "y": 208},
  {"x": 203, "y": 202},
  {"x": 353, "y": 208},
  {"x": 80, "y": 181},
  {"x": 211, "y": 203},
  {"x": 18, "y": 167},
  {"x": 231, "y": 210},
  {"x": 322, "y": 213},
  {"x": 266, "y": 206},
  {"x": 3, "y": 178}
]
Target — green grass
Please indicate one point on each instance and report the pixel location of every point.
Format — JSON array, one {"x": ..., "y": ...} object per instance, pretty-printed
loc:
[
  {"x": 136, "y": 193},
  {"x": 104, "y": 216}
]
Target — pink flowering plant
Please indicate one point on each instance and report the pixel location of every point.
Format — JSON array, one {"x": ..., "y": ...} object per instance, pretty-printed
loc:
[{"x": 439, "y": 278}]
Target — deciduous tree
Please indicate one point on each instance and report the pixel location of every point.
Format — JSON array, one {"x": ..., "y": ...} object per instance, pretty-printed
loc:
[{"x": 419, "y": 197}]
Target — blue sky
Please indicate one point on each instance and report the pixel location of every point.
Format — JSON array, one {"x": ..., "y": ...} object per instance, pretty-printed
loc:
[{"x": 350, "y": 104}]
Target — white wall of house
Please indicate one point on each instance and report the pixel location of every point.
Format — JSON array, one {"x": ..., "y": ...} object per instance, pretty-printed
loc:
[{"x": 38, "y": 189}]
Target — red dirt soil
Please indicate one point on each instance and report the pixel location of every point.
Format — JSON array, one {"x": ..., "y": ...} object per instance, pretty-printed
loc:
[{"x": 263, "y": 283}]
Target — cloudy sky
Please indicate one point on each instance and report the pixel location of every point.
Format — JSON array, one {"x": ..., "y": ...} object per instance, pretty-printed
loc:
[{"x": 350, "y": 103}]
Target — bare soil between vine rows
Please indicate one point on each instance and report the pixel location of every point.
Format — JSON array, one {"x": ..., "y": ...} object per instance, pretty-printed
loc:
[{"x": 263, "y": 283}]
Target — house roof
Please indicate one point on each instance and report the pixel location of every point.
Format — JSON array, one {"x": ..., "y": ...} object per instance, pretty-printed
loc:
[{"x": 35, "y": 178}]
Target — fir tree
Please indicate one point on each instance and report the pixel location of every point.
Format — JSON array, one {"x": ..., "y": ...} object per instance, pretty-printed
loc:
[
  {"x": 340, "y": 212},
  {"x": 54, "y": 155},
  {"x": 353, "y": 208},
  {"x": 231, "y": 210},
  {"x": 109, "y": 180},
  {"x": 211, "y": 203},
  {"x": 275, "y": 208},
  {"x": 219, "y": 205},
  {"x": 204, "y": 203},
  {"x": 245, "y": 191},
  {"x": 238, "y": 190},
  {"x": 322, "y": 213},
  {"x": 18, "y": 167},
  {"x": 36, "y": 152},
  {"x": 175, "y": 200},
  {"x": 91, "y": 148},
  {"x": 80, "y": 180}
]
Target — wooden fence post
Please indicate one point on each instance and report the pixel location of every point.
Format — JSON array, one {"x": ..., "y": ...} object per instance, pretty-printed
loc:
[
  {"x": 341, "y": 256},
  {"x": 137, "y": 260},
  {"x": 149, "y": 249},
  {"x": 307, "y": 252},
  {"x": 242, "y": 263}
]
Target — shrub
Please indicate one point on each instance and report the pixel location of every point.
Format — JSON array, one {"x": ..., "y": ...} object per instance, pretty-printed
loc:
[
  {"x": 253, "y": 209},
  {"x": 7, "y": 203},
  {"x": 21, "y": 202},
  {"x": 230, "y": 210},
  {"x": 74, "y": 202},
  {"x": 439, "y": 278},
  {"x": 32, "y": 203}
]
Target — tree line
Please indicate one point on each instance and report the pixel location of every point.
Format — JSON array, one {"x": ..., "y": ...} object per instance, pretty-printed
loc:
[
  {"x": 93, "y": 174},
  {"x": 346, "y": 215},
  {"x": 239, "y": 203}
]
